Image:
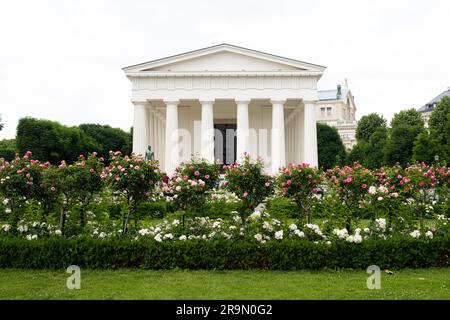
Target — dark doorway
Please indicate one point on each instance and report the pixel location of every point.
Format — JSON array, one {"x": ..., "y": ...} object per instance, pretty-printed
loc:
[{"x": 225, "y": 143}]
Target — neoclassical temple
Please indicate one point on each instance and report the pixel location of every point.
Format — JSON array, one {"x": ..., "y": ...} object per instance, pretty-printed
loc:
[{"x": 221, "y": 101}]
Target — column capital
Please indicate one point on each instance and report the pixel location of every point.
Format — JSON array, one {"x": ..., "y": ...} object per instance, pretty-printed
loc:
[
  {"x": 278, "y": 101},
  {"x": 242, "y": 101},
  {"x": 171, "y": 101},
  {"x": 206, "y": 101},
  {"x": 139, "y": 102}
]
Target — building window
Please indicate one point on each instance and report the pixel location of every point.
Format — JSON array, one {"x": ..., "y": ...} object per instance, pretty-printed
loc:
[
  {"x": 328, "y": 111},
  {"x": 322, "y": 112}
]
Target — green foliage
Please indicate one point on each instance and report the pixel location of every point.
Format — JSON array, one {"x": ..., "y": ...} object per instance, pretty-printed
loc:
[
  {"x": 191, "y": 183},
  {"x": 439, "y": 117},
  {"x": 405, "y": 127},
  {"x": 200, "y": 169},
  {"x": 428, "y": 145},
  {"x": 132, "y": 177},
  {"x": 331, "y": 150},
  {"x": 351, "y": 185},
  {"x": 301, "y": 184},
  {"x": 370, "y": 153},
  {"x": 108, "y": 138},
  {"x": 220, "y": 208},
  {"x": 51, "y": 141},
  {"x": 248, "y": 181},
  {"x": 367, "y": 126},
  {"x": 153, "y": 209},
  {"x": 56, "y": 253},
  {"x": 375, "y": 149},
  {"x": 281, "y": 207},
  {"x": 8, "y": 149},
  {"x": 20, "y": 180}
]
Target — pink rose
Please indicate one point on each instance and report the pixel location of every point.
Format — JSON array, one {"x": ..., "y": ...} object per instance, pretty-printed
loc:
[
  {"x": 178, "y": 188},
  {"x": 196, "y": 173},
  {"x": 245, "y": 195},
  {"x": 207, "y": 176},
  {"x": 364, "y": 186},
  {"x": 53, "y": 189}
]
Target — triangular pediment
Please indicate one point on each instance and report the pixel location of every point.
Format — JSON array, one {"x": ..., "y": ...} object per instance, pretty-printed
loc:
[{"x": 224, "y": 58}]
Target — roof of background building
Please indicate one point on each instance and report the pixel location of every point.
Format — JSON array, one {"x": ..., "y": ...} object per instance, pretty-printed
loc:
[
  {"x": 430, "y": 106},
  {"x": 331, "y": 94}
]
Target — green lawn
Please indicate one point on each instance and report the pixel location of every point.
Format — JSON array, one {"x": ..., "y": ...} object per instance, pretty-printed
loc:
[{"x": 147, "y": 284}]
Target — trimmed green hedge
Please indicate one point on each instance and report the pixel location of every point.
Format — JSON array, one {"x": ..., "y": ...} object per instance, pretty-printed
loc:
[{"x": 284, "y": 255}]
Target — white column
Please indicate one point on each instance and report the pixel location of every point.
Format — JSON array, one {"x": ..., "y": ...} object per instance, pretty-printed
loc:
[
  {"x": 140, "y": 138},
  {"x": 172, "y": 138},
  {"x": 278, "y": 153},
  {"x": 242, "y": 132},
  {"x": 310, "y": 134},
  {"x": 207, "y": 131}
]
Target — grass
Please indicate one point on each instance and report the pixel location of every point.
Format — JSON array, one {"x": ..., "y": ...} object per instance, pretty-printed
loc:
[{"x": 180, "y": 284}]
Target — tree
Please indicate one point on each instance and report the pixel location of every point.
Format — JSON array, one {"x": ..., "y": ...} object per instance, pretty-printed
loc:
[
  {"x": 405, "y": 127},
  {"x": 357, "y": 153},
  {"x": 331, "y": 150},
  {"x": 367, "y": 125},
  {"x": 426, "y": 146},
  {"x": 51, "y": 141},
  {"x": 439, "y": 117},
  {"x": 439, "y": 125},
  {"x": 375, "y": 149},
  {"x": 8, "y": 149},
  {"x": 1, "y": 123},
  {"x": 108, "y": 138}
]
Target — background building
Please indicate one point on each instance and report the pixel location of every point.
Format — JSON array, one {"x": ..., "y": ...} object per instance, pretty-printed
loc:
[
  {"x": 337, "y": 108},
  {"x": 427, "y": 109}
]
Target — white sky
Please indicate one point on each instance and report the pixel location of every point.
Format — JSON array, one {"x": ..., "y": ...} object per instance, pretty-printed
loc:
[{"x": 62, "y": 60}]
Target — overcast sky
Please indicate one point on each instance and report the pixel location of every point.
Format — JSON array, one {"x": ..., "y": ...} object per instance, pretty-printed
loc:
[{"x": 62, "y": 60}]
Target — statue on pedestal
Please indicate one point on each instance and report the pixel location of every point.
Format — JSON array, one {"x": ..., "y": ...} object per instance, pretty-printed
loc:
[{"x": 149, "y": 154}]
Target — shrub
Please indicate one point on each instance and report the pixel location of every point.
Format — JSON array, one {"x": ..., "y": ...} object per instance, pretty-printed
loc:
[
  {"x": 248, "y": 181},
  {"x": 19, "y": 180},
  {"x": 132, "y": 177},
  {"x": 281, "y": 207},
  {"x": 351, "y": 185},
  {"x": 198, "y": 254},
  {"x": 191, "y": 184},
  {"x": 301, "y": 184}
]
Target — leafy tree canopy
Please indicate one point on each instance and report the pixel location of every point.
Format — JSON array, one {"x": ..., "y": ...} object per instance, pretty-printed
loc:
[
  {"x": 368, "y": 125},
  {"x": 331, "y": 150}
]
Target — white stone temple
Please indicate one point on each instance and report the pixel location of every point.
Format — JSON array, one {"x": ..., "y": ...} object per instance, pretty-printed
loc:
[{"x": 221, "y": 101}]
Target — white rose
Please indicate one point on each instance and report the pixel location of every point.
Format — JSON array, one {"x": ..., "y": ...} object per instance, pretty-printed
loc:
[
  {"x": 279, "y": 235},
  {"x": 182, "y": 237},
  {"x": 158, "y": 237},
  {"x": 293, "y": 227},
  {"x": 258, "y": 237},
  {"x": 357, "y": 238}
]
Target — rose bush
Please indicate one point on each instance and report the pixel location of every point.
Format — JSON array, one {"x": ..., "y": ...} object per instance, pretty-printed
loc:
[
  {"x": 351, "y": 184},
  {"x": 301, "y": 183},
  {"x": 132, "y": 177},
  {"x": 249, "y": 182}
]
